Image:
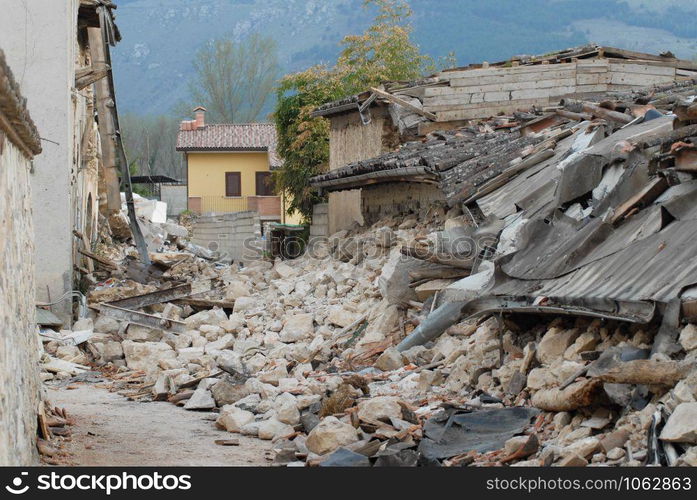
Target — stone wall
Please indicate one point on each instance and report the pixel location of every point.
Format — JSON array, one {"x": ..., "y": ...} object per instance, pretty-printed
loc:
[
  {"x": 397, "y": 197},
  {"x": 230, "y": 234},
  {"x": 19, "y": 345}
]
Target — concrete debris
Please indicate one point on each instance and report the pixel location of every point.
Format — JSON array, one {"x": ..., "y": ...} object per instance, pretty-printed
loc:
[
  {"x": 681, "y": 427},
  {"x": 365, "y": 351},
  {"x": 330, "y": 434}
]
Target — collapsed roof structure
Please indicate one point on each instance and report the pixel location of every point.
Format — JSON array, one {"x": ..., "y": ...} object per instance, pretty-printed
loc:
[{"x": 585, "y": 206}]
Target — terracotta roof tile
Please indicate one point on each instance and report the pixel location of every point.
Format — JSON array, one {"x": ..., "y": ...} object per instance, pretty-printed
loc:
[{"x": 231, "y": 137}]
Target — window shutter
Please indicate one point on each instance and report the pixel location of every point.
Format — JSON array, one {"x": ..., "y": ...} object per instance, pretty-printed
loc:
[{"x": 233, "y": 184}]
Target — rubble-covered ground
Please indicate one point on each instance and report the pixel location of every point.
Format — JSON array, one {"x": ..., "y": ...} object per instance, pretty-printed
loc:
[
  {"x": 357, "y": 353},
  {"x": 302, "y": 353}
]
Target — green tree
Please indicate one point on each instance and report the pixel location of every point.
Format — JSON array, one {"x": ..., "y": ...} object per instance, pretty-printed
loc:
[
  {"x": 234, "y": 80},
  {"x": 382, "y": 53}
]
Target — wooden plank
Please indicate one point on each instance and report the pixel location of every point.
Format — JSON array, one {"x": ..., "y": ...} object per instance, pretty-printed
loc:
[
  {"x": 429, "y": 288},
  {"x": 101, "y": 260},
  {"x": 89, "y": 75},
  {"x": 591, "y": 70},
  {"x": 403, "y": 103},
  {"x": 689, "y": 310},
  {"x": 686, "y": 159},
  {"x": 203, "y": 303},
  {"x": 592, "y": 63},
  {"x": 665, "y": 63},
  {"x": 433, "y": 108},
  {"x": 445, "y": 100},
  {"x": 645, "y": 196},
  {"x": 107, "y": 129},
  {"x": 629, "y": 54},
  {"x": 438, "y": 273}
]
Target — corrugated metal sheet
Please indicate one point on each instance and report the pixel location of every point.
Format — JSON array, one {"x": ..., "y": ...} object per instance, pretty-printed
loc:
[{"x": 656, "y": 268}]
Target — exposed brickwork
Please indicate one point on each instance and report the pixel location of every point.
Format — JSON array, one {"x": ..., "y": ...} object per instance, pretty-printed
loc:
[{"x": 265, "y": 205}]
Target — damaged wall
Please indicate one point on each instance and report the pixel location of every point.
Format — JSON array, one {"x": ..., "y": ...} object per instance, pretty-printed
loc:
[
  {"x": 476, "y": 93},
  {"x": 19, "y": 376},
  {"x": 18, "y": 341},
  {"x": 397, "y": 198},
  {"x": 350, "y": 140},
  {"x": 45, "y": 70}
]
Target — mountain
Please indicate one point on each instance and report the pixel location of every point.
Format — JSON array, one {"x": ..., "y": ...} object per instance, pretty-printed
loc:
[{"x": 152, "y": 63}]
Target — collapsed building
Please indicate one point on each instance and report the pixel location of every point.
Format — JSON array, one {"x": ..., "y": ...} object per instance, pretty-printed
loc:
[
  {"x": 510, "y": 290},
  {"x": 535, "y": 307},
  {"x": 377, "y": 121}
]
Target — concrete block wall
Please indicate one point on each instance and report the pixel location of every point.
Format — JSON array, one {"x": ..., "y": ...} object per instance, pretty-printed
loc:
[
  {"x": 479, "y": 93},
  {"x": 234, "y": 235},
  {"x": 19, "y": 344}
]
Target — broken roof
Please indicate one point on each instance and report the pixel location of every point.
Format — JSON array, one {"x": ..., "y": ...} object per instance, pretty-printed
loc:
[
  {"x": 231, "y": 137},
  {"x": 591, "y": 205},
  {"x": 430, "y": 90},
  {"x": 14, "y": 116}
]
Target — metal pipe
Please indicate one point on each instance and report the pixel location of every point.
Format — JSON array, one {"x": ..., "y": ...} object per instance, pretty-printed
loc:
[
  {"x": 433, "y": 325},
  {"x": 453, "y": 312}
]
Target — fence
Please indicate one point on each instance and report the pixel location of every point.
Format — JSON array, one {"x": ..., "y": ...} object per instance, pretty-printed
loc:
[
  {"x": 217, "y": 204},
  {"x": 263, "y": 205}
]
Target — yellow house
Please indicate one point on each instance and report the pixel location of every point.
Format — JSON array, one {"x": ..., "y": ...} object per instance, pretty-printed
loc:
[{"x": 229, "y": 167}]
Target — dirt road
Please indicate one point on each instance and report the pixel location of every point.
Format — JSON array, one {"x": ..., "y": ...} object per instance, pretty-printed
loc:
[{"x": 111, "y": 430}]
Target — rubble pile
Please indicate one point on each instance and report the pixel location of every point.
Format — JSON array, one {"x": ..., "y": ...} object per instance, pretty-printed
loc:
[{"x": 395, "y": 345}]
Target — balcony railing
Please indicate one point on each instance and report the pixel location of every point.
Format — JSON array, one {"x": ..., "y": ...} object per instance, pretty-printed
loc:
[{"x": 264, "y": 205}]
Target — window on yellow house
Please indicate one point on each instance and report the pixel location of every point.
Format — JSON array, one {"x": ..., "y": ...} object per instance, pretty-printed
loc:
[
  {"x": 264, "y": 186},
  {"x": 233, "y": 184}
]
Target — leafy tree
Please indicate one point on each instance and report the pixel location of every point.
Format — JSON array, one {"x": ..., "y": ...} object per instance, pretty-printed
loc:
[
  {"x": 234, "y": 80},
  {"x": 383, "y": 52}
]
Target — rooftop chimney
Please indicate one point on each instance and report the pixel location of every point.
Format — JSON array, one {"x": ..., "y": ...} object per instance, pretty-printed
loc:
[{"x": 200, "y": 113}]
